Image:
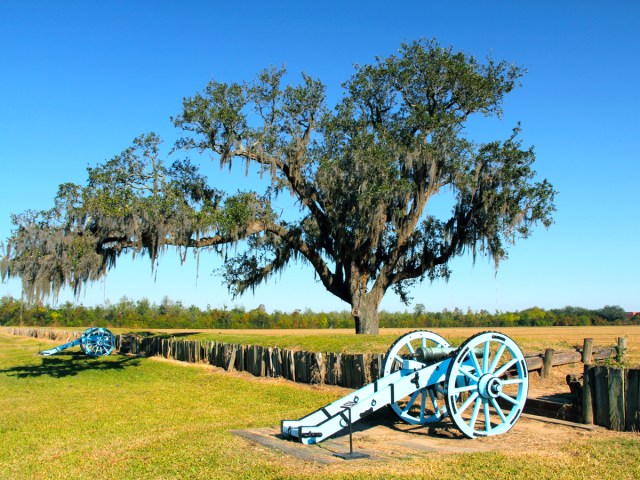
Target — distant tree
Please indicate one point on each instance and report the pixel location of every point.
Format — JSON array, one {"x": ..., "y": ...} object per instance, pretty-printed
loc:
[
  {"x": 613, "y": 313},
  {"x": 533, "y": 317},
  {"x": 9, "y": 311},
  {"x": 419, "y": 310},
  {"x": 363, "y": 174}
]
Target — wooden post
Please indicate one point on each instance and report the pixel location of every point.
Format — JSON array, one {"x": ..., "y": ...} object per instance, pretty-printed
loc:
[
  {"x": 346, "y": 370},
  {"x": 316, "y": 373},
  {"x": 262, "y": 363},
  {"x": 300, "y": 367},
  {"x": 548, "y": 363},
  {"x": 255, "y": 361},
  {"x": 601, "y": 404},
  {"x": 292, "y": 365},
  {"x": 277, "y": 361},
  {"x": 207, "y": 351},
  {"x": 587, "y": 389},
  {"x": 360, "y": 371},
  {"x": 616, "y": 399},
  {"x": 286, "y": 369},
  {"x": 621, "y": 349},
  {"x": 268, "y": 356},
  {"x": 251, "y": 359},
  {"x": 373, "y": 367},
  {"x": 230, "y": 360},
  {"x": 240, "y": 362},
  {"x": 220, "y": 355},
  {"x": 331, "y": 369},
  {"x": 587, "y": 350},
  {"x": 632, "y": 414},
  {"x": 331, "y": 373}
]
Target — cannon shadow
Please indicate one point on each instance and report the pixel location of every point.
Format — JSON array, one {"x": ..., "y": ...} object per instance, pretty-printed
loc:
[
  {"x": 69, "y": 365},
  {"x": 385, "y": 417}
]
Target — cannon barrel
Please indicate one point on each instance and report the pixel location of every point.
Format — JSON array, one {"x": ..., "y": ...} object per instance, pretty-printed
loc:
[
  {"x": 59, "y": 348},
  {"x": 434, "y": 354}
]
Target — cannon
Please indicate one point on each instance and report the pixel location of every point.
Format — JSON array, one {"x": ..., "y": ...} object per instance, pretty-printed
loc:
[
  {"x": 481, "y": 386},
  {"x": 95, "y": 342}
]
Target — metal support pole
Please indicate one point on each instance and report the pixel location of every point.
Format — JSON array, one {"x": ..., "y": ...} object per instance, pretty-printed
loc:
[
  {"x": 350, "y": 434},
  {"x": 351, "y": 455}
]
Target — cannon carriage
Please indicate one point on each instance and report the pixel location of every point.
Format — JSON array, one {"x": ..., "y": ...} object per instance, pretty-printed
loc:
[
  {"x": 95, "y": 342},
  {"x": 481, "y": 386}
]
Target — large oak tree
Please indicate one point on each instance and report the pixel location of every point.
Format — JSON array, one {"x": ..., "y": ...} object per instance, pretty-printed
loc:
[{"x": 363, "y": 174}]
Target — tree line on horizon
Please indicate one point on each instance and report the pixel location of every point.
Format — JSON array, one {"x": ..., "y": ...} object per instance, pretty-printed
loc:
[{"x": 128, "y": 313}]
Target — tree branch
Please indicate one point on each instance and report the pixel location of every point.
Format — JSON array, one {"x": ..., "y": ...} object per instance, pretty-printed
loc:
[{"x": 332, "y": 282}]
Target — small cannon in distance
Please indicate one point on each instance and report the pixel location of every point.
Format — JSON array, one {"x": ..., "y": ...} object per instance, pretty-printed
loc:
[
  {"x": 95, "y": 342},
  {"x": 481, "y": 386}
]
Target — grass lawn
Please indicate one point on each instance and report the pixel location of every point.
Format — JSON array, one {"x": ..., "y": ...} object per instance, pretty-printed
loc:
[{"x": 69, "y": 416}]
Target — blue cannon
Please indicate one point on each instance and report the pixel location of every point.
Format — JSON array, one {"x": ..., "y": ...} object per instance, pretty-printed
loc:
[
  {"x": 481, "y": 386},
  {"x": 95, "y": 342}
]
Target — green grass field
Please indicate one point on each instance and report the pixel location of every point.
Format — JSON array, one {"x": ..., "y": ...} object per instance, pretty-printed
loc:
[{"x": 69, "y": 416}]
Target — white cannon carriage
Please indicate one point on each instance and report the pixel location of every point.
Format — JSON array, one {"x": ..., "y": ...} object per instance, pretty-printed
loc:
[
  {"x": 481, "y": 386},
  {"x": 95, "y": 342}
]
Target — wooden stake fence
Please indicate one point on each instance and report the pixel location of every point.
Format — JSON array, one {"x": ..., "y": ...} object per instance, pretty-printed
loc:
[{"x": 611, "y": 397}]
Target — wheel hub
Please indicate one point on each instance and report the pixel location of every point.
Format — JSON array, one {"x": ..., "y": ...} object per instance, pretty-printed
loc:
[{"x": 489, "y": 386}]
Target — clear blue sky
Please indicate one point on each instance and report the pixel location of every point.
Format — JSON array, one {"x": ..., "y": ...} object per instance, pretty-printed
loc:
[{"x": 81, "y": 79}]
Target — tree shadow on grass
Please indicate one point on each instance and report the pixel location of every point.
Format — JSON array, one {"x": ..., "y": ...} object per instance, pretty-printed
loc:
[{"x": 70, "y": 365}]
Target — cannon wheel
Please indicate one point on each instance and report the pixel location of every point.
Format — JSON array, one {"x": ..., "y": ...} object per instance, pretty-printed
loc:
[
  {"x": 97, "y": 342},
  {"x": 485, "y": 396},
  {"x": 423, "y": 406}
]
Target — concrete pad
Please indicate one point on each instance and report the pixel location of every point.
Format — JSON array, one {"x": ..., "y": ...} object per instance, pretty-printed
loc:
[{"x": 386, "y": 437}]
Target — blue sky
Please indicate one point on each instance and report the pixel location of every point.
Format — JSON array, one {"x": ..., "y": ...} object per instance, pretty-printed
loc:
[{"x": 80, "y": 80}]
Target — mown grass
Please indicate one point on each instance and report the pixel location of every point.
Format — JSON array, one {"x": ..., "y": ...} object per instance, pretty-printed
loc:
[
  {"x": 69, "y": 416},
  {"x": 121, "y": 417},
  {"x": 342, "y": 343},
  {"x": 339, "y": 341}
]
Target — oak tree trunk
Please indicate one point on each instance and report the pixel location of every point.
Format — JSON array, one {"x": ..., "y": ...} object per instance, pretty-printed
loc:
[{"x": 365, "y": 312}]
